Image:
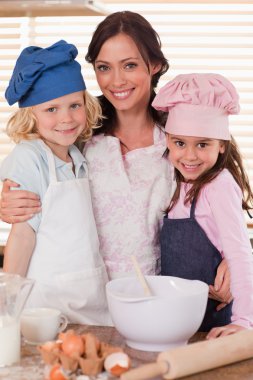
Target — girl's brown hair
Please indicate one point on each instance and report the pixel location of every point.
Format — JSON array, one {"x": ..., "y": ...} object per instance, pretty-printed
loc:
[
  {"x": 231, "y": 159},
  {"x": 22, "y": 124},
  {"x": 149, "y": 45}
]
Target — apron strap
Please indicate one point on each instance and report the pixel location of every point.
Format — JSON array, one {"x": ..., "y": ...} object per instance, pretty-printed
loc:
[
  {"x": 193, "y": 207},
  {"x": 51, "y": 163}
]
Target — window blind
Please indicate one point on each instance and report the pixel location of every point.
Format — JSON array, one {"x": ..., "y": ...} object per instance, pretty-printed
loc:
[{"x": 196, "y": 37}]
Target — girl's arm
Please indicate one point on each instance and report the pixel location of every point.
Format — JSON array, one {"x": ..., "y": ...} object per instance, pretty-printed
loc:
[
  {"x": 18, "y": 205},
  {"x": 19, "y": 249},
  {"x": 223, "y": 331},
  {"x": 225, "y": 198}
]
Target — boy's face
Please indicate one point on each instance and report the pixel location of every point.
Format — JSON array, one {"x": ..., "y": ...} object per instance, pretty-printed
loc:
[
  {"x": 60, "y": 121},
  {"x": 193, "y": 156}
]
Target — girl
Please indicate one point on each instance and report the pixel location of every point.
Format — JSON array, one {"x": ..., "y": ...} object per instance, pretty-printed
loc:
[
  {"x": 58, "y": 248},
  {"x": 131, "y": 182},
  {"x": 205, "y": 220}
]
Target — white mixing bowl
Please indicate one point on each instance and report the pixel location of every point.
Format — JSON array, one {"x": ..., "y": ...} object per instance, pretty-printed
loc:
[{"x": 165, "y": 320}]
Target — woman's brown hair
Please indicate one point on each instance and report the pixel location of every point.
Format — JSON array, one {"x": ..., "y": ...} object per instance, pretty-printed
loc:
[
  {"x": 149, "y": 45},
  {"x": 231, "y": 159}
]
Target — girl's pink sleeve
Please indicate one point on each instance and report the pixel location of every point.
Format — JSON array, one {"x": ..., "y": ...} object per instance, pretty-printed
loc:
[{"x": 225, "y": 199}]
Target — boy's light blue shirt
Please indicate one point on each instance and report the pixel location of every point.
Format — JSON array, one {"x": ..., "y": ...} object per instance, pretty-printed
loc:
[{"x": 27, "y": 165}]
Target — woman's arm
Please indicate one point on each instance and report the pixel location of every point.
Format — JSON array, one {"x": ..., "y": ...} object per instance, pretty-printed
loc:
[
  {"x": 220, "y": 291},
  {"x": 19, "y": 249},
  {"x": 17, "y": 205}
]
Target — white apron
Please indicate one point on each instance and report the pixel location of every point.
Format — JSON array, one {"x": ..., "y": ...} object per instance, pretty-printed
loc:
[{"x": 66, "y": 264}]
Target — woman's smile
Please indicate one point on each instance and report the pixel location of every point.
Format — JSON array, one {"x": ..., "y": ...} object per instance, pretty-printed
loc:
[{"x": 122, "y": 95}]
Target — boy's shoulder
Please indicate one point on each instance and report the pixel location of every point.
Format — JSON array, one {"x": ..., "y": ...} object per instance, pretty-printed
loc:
[
  {"x": 23, "y": 165},
  {"x": 30, "y": 148},
  {"x": 27, "y": 153}
]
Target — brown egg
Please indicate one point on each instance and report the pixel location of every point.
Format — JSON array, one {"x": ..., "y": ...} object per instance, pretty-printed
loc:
[
  {"x": 73, "y": 345},
  {"x": 57, "y": 373},
  {"x": 117, "y": 363}
]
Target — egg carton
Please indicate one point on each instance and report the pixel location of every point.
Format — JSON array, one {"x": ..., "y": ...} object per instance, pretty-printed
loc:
[{"x": 72, "y": 356}]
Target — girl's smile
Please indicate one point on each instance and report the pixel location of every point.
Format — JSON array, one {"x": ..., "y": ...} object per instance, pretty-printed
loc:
[{"x": 193, "y": 156}]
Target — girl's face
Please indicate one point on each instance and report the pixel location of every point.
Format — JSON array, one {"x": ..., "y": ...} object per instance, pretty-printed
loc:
[
  {"x": 193, "y": 156},
  {"x": 122, "y": 74},
  {"x": 60, "y": 121}
]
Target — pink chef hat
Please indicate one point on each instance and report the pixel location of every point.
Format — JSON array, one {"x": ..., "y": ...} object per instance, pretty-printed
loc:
[{"x": 198, "y": 105}]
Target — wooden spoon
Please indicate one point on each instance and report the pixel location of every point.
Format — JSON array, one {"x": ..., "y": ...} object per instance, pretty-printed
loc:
[{"x": 141, "y": 277}]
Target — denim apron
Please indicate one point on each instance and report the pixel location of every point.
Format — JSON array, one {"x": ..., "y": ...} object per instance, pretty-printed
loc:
[{"x": 187, "y": 252}]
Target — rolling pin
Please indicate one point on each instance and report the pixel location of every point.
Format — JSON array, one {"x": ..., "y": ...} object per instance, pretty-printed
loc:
[{"x": 196, "y": 357}]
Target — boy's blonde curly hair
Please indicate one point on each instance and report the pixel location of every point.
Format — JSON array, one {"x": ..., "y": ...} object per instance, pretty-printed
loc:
[{"x": 22, "y": 124}]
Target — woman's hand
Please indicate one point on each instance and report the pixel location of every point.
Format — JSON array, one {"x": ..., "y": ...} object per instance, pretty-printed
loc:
[
  {"x": 220, "y": 291},
  {"x": 223, "y": 331},
  {"x": 17, "y": 205}
]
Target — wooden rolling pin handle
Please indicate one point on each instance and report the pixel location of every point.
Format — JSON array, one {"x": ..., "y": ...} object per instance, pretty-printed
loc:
[{"x": 147, "y": 371}]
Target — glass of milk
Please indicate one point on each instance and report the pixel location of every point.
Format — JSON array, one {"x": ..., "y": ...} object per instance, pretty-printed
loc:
[{"x": 14, "y": 291}]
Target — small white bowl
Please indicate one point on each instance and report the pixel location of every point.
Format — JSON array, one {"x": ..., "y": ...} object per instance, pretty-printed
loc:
[{"x": 157, "y": 323}]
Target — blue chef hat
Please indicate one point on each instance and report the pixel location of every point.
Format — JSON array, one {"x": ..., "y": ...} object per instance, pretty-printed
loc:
[{"x": 41, "y": 75}]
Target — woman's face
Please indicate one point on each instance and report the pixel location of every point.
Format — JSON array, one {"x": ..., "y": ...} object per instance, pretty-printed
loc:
[{"x": 122, "y": 74}]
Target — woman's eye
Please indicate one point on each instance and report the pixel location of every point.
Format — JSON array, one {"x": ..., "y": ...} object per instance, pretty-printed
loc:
[
  {"x": 102, "y": 68},
  {"x": 202, "y": 145},
  {"x": 130, "y": 66}
]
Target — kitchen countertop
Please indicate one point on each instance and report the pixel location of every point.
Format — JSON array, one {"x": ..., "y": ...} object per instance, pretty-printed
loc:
[{"x": 32, "y": 367}]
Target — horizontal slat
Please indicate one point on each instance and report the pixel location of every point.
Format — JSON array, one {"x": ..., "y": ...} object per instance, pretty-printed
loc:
[{"x": 185, "y": 2}]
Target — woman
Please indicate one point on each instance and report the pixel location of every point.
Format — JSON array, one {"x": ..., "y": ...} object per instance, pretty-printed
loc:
[{"x": 131, "y": 181}]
